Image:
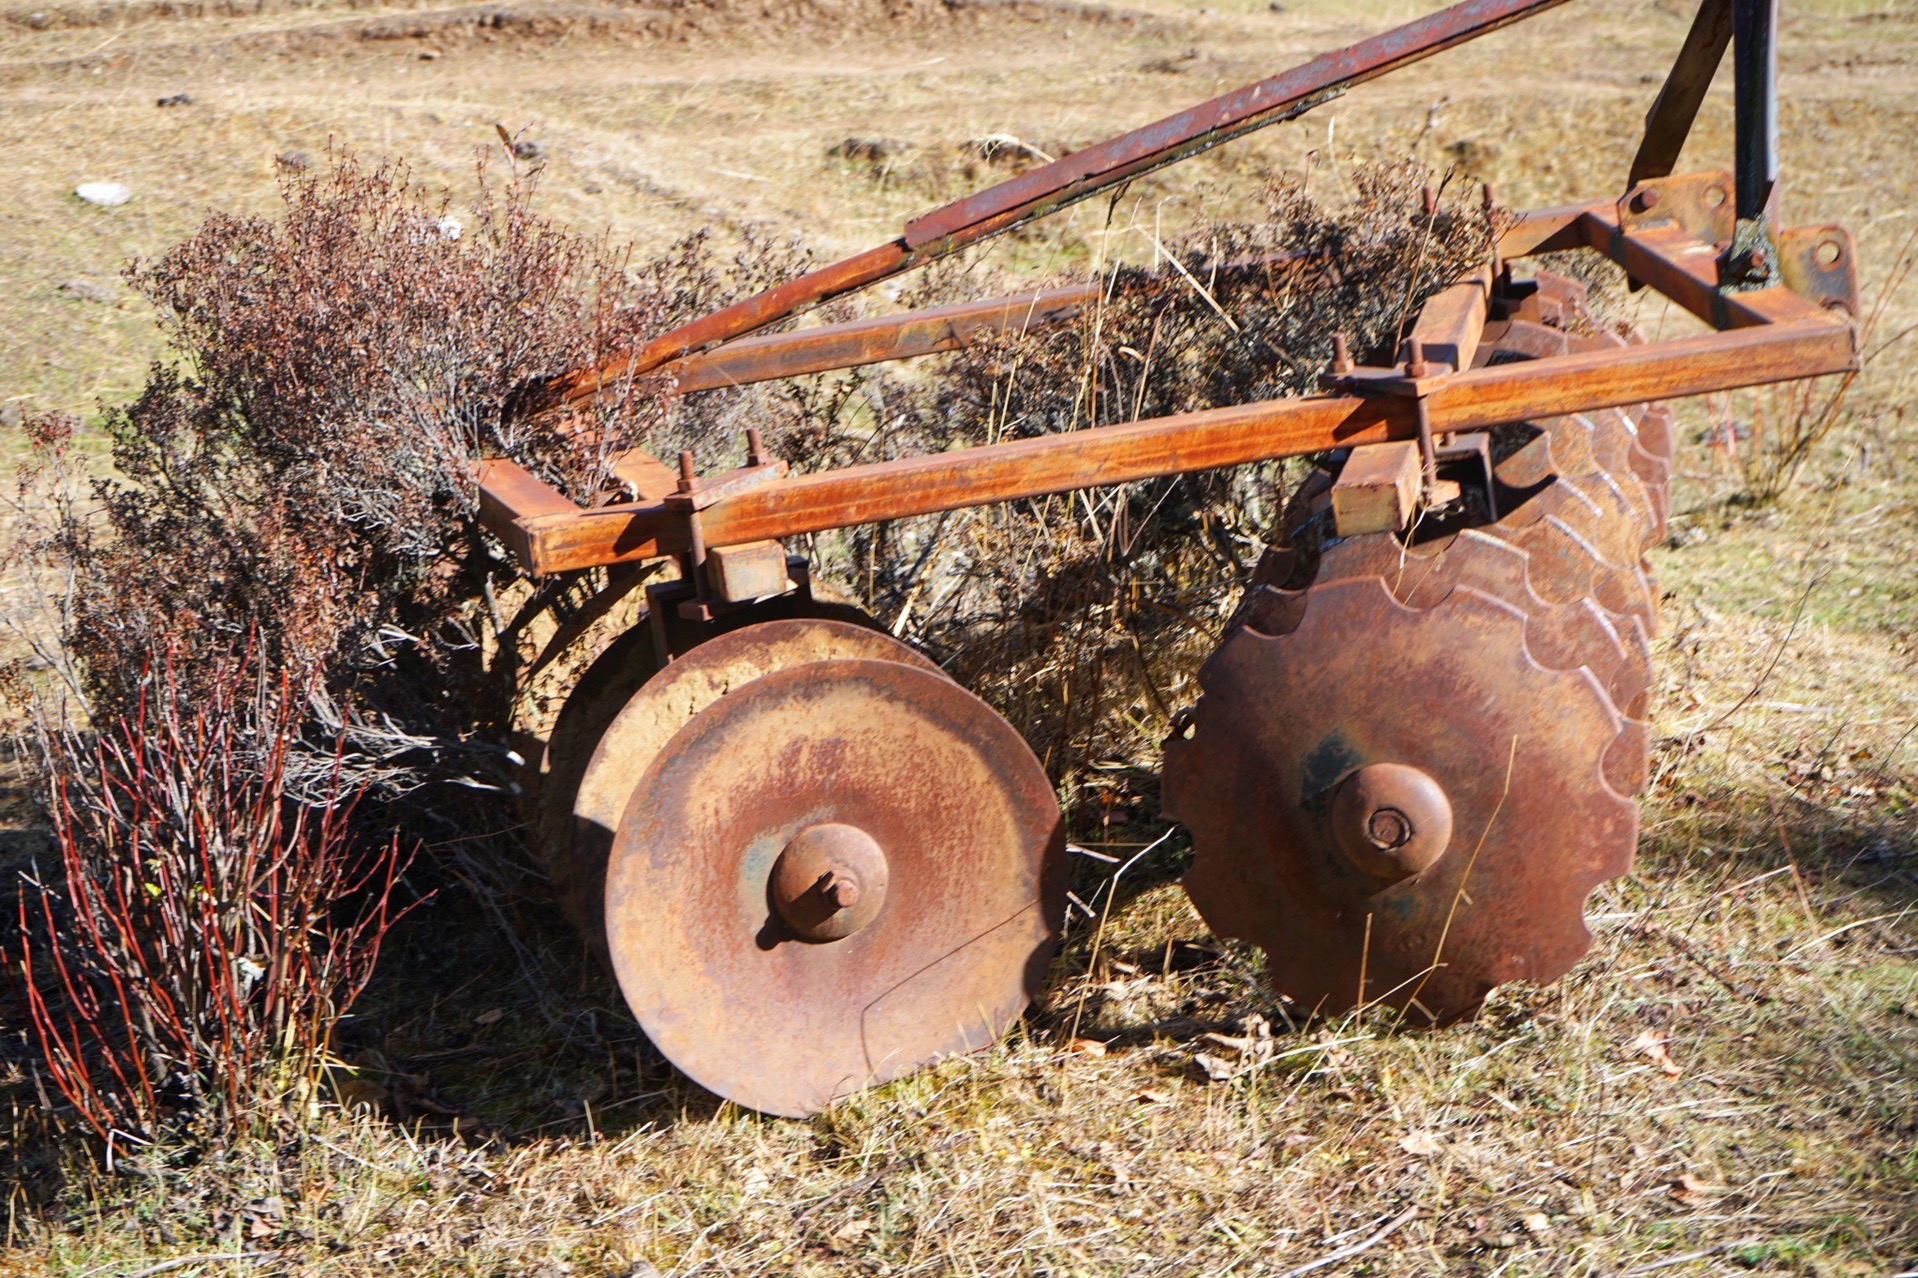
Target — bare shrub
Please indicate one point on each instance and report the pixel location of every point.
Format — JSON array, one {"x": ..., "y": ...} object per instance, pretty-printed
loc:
[
  {"x": 303, "y": 471},
  {"x": 282, "y": 596},
  {"x": 201, "y": 936}
]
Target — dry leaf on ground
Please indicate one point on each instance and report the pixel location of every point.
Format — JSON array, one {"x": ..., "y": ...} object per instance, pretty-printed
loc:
[
  {"x": 851, "y": 1232},
  {"x": 1656, "y": 1045},
  {"x": 363, "y": 1093},
  {"x": 1215, "y": 1069},
  {"x": 1690, "y": 1188}
]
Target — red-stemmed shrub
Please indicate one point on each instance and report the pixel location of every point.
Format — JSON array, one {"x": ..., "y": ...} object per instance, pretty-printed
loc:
[{"x": 185, "y": 961}]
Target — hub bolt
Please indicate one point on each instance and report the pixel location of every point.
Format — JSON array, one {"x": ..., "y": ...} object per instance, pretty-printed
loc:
[
  {"x": 829, "y": 881},
  {"x": 1387, "y": 828}
]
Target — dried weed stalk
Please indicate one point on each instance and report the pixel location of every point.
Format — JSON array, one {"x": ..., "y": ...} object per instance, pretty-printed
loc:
[{"x": 1788, "y": 422}]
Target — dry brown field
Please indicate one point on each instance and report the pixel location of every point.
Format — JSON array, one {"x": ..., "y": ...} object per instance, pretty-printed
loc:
[{"x": 1727, "y": 1084}]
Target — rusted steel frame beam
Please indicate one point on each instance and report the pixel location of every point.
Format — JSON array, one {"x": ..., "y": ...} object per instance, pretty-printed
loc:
[
  {"x": 1098, "y": 168},
  {"x": 945, "y": 328},
  {"x": 1684, "y": 269},
  {"x": 910, "y": 334},
  {"x": 741, "y": 317},
  {"x": 1687, "y": 271},
  {"x": 1452, "y": 320},
  {"x": 1675, "y": 109},
  {"x": 508, "y": 495},
  {"x": 1188, "y": 442},
  {"x": 873, "y": 341},
  {"x": 1547, "y": 230},
  {"x": 644, "y": 476},
  {"x": 1061, "y": 183},
  {"x": 1808, "y": 346}
]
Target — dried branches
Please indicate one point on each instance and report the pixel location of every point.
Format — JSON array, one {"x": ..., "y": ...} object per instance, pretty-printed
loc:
[
  {"x": 283, "y": 598},
  {"x": 304, "y": 473}
]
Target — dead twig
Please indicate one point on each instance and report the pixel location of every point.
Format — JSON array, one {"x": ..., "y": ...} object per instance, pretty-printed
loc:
[{"x": 1358, "y": 1248}]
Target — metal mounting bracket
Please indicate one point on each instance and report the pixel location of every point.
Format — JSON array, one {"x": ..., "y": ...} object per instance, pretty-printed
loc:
[
  {"x": 1820, "y": 264},
  {"x": 1698, "y": 204}
]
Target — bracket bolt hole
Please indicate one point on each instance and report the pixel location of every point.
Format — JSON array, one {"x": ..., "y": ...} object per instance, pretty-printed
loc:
[
  {"x": 1714, "y": 197},
  {"x": 1829, "y": 252}
]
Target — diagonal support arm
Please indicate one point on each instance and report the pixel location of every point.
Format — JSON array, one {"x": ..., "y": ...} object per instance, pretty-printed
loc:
[
  {"x": 1755, "y": 68},
  {"x": 1675, "y": 109}
]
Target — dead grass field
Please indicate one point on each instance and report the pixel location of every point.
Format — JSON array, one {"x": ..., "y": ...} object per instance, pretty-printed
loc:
[{"x": 1728, "y": 1084}]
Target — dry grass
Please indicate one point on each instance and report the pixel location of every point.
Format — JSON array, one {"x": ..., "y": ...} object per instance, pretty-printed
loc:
[{"x": 1728, "y": 1083}]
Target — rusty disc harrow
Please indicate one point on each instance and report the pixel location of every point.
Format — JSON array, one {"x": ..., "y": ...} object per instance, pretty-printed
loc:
[{"x": 1410, "y": 821}]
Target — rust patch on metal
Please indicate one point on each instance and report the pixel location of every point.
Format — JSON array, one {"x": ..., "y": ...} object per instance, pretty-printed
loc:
[
  {"x": 662, "y": 705},
  {"x": 1559, "y": 636}
]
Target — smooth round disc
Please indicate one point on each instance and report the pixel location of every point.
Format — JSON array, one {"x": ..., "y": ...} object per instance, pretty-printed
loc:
[
  {"x": 974, "y": 858},
  {"x": 1513, "y": 751},
  {"x": 664, "y": 704}
]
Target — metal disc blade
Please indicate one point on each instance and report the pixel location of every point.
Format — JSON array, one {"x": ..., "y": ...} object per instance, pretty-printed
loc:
[
  {"x": 595, "y": 698},
  {"x": 1515, "y": 751},
  {"x": 973, "y": 869},
  {"x": 1560, "y": 636}
]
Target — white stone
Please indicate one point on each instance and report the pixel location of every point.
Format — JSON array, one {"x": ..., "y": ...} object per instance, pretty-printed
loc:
[
  {"x": 108, "y": 195},
  {"x": 450, "y": 227}
]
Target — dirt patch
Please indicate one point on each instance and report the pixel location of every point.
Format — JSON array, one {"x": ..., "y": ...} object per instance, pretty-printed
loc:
[{"x": 707, "y": 22}]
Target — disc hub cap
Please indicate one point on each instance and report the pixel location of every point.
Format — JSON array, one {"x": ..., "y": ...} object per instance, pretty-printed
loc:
[
  {"x": 829, "y": 882},
  {"x": 1391, "y": 820}
]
